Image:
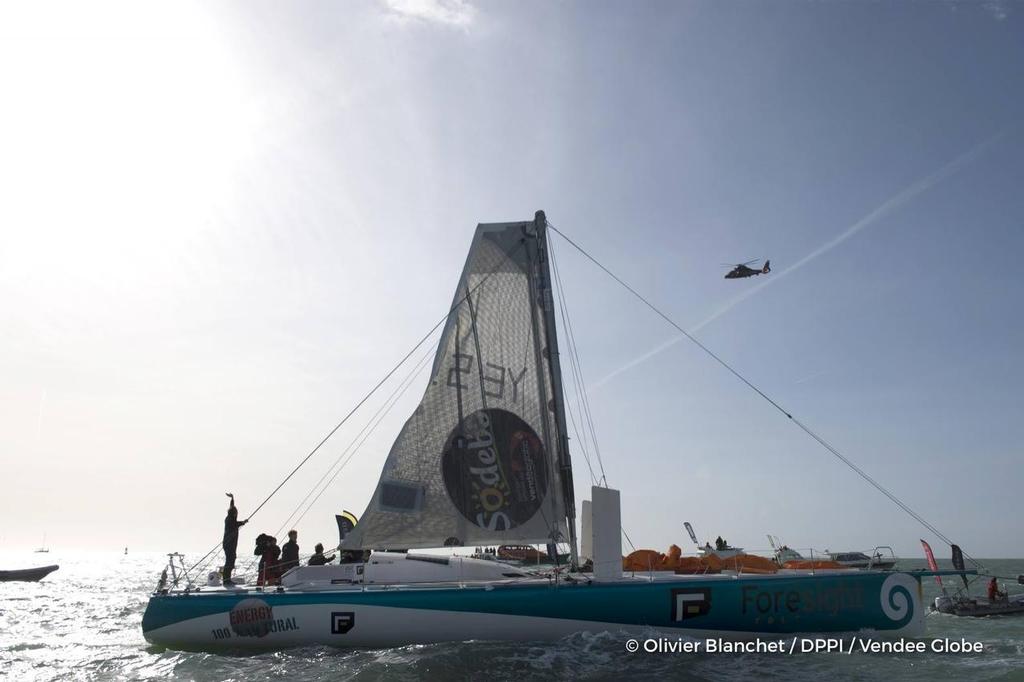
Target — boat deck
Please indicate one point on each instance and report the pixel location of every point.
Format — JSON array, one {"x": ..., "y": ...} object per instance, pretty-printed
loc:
[{"x": 577, "y": 579}]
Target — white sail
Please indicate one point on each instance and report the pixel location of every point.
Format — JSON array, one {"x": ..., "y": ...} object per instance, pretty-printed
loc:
[{"x": 477, "y": 462}]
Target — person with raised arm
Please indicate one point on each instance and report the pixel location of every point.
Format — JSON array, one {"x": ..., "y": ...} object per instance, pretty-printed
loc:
[{"x": 230, "y": 544}]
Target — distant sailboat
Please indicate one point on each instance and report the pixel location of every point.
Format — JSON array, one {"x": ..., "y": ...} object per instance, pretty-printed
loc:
[{"x": 43, "y": 549}]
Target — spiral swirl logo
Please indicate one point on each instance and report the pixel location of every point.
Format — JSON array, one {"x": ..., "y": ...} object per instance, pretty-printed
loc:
[{"x": 897, "y": 597}]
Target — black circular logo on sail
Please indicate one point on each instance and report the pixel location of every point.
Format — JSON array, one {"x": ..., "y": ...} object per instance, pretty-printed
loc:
[{"x": 495, "y": 469}]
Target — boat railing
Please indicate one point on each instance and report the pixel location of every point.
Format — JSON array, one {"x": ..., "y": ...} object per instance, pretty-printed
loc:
[
  {"x": 179, "y": 573},
  {"x": 879, "y": 558}
]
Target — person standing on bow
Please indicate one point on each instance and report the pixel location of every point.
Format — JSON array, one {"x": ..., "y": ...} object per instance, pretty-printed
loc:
[
  {"x": 230, "y": 544},
  {"x": 290, "y": 552}
]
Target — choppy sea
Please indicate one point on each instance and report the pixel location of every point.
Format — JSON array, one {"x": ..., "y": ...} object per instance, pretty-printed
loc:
[{"x": 84, "y": 623}]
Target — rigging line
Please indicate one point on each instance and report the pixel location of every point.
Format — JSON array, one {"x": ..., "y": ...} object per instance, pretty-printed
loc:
[
  {"x": 386, "y": 408},
  {"x": 581, "y": 438},
  {"x": 626, "y": 535},
  {"x": 583, "y": 447},
  {"x": 761, "y": 393},
  {"x": 578, "y": 365},
  {"x": 576, "y": 383},
  {"x": 583, "y": 443},
  {"x": 205, "y": 557},
  {"x": 572, "y": 417},
  {"x": 419, "y": 364},
  {"x": 563, "y": 310},
  {"x": 347, "y": 416},
  {"x": 387, "y": 376},
  {"x": 410, "y": 380},
  {"x": 878, "y": 486}
]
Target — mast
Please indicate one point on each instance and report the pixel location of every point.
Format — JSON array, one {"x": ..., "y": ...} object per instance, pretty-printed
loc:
[{"x": 562, "y": 446}]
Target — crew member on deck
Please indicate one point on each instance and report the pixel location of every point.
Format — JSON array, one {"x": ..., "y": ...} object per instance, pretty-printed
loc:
[
  {"x": 271, "y": 574},
  {"x": 994, "y": 594},
  {"x": 230, "y": 544},
  {"x": 318, "y": 558},
  {"x": 263, "y": 543},
  {"x": 290, "y": 552}
]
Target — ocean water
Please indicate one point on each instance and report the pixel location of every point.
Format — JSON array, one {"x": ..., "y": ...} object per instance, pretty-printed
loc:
[{"x": 84, "y": 623}]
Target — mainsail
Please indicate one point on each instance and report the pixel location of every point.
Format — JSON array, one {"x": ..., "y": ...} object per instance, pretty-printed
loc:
[{"x": 482, "y": 459}]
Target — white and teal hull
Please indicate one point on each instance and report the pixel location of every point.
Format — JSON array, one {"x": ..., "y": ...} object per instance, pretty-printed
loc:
[{"x": 737, "y": 607}]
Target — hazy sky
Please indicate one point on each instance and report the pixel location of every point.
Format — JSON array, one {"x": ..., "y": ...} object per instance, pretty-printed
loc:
[{"x": 222, "y": 223}]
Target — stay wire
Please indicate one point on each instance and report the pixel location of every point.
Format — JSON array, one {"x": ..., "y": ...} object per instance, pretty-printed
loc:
[
  {"x": 576, "y": 386},
  {"x": 384, "y": 407},
  {"x": 577, "y": 366},
  {"x": 394, "y": 401},
  {"x": 352, "y": 449},
  {"x": 563, "y": 311},
  {"x": 828, "y": 446}
]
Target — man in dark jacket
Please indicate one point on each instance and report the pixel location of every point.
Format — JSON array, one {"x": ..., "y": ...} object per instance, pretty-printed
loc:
[
  {"x": 290, "y": 552},
  {"x": 318, "y": 558},
  {"x": 230, "y": 544}
]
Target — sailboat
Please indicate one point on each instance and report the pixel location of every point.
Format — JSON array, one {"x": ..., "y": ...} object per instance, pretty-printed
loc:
[
  {"x": 43, "y": 549},
  {"x": 484, "y": 460}
]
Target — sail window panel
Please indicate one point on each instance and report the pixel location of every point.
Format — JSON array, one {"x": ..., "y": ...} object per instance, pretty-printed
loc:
[{"x": 400, "y": 497}]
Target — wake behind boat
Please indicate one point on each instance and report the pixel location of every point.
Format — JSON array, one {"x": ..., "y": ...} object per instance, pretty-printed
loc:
[
  {"x": 27, "y": 574},
  {"x": 484, "y": 460}
]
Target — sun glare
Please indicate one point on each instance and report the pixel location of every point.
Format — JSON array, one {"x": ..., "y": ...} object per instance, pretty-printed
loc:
[{"x": 120, "y": 125}]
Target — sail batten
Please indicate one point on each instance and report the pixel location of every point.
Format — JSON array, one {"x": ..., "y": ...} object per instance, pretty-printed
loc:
[{"x": 478, "y": 461}]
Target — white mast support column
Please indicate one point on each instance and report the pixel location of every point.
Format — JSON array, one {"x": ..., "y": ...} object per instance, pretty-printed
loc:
[
  {"x": 586, "y": 533},
  {"x": 540, "y": 223},
  {"x": 607, "y": 525}
]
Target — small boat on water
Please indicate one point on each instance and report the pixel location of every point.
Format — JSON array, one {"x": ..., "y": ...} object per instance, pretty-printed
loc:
[
  {"x": 721, "y": 550},
  {"x": 28, "y": 575},
  {"x": 965, "y": 605},
  {"x": 782, "y": 553},
  {"x": 861, "y": 560},
  {"x": 788, "y": 557},
  {"x": 961, "y": 603}
]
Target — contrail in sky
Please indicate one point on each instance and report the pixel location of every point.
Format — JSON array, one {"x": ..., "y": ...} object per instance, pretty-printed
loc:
[{"x": 891, "y": 204}]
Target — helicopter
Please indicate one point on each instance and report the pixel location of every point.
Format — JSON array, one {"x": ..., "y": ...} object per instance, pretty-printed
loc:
[{"x": 743, "y": 270}]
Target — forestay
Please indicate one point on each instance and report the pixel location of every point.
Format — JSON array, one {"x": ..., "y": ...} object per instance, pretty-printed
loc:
[{"x": 477, "y": 462}]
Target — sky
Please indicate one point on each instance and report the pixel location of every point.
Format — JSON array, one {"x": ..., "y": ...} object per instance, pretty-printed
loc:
[{"x": 222, "y": 223}]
